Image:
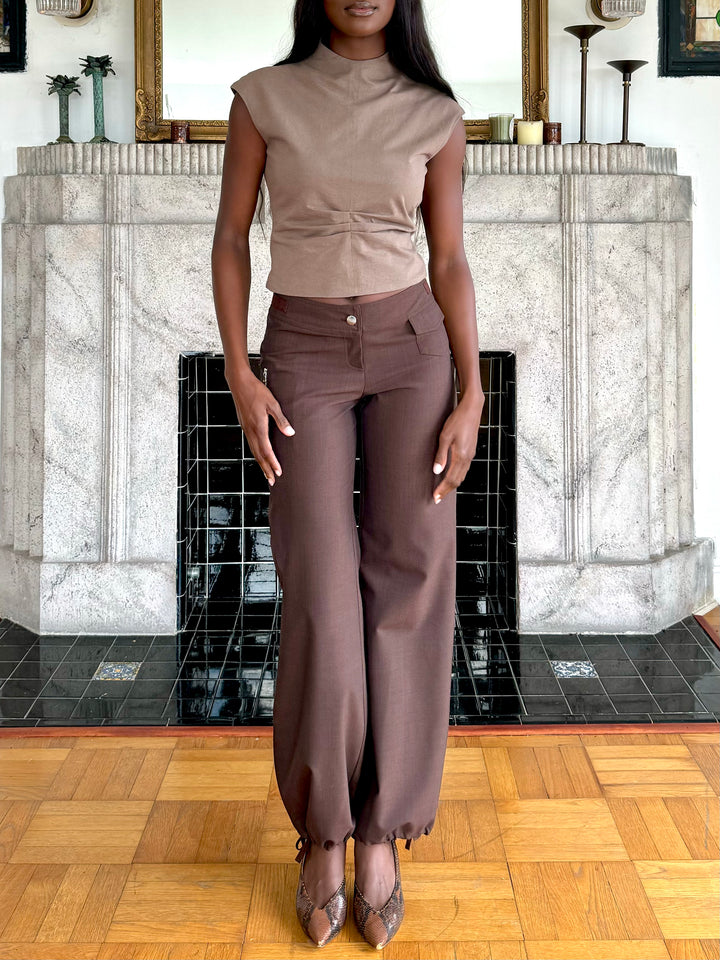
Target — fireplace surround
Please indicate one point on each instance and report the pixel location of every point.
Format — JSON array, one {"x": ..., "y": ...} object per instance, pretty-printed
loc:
[{"x": 581, "y": 257}]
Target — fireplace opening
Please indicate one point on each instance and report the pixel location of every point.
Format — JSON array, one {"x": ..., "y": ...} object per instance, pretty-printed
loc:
[{"x": 228, "y": 595}]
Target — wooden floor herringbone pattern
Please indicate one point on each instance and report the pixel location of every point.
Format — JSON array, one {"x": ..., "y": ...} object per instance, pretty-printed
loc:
[{"x": 545, "y": 846}]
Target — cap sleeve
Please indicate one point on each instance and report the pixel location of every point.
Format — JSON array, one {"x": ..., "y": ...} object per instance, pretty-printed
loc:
[
  {"x": 449, "y": 114},
  {"x": 248, "y": 88}
]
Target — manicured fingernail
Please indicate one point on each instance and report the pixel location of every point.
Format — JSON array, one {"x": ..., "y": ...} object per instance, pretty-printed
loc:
[
  {"x": 290, "y": 432},
  {"x": 437, "y": 468},
  {"x": 437, "y": 499}
]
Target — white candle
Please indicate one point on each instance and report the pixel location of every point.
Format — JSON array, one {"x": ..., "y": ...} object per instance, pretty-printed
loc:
[{"x": 529, "y": 131}]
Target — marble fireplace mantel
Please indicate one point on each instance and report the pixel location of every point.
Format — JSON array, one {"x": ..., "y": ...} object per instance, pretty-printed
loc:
[{"x": 581, "y": 257}]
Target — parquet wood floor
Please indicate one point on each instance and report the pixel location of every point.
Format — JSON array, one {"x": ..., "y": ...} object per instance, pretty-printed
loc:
[{"x": 567, "y": 845}]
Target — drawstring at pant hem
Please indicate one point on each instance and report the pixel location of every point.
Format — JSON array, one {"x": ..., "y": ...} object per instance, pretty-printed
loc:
[{"x": 302, "y": 844}]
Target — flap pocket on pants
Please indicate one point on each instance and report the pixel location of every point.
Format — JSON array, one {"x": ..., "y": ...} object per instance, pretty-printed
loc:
[{"x": 428, "y": 325}]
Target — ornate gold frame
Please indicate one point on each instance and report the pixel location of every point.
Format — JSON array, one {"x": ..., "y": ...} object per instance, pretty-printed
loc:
[{"x": 150, "y": 125}]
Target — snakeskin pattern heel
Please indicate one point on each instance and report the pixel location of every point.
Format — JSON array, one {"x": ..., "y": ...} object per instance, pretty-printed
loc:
[
  {"x": 321, "y": 924},
  {"x": 378, "y": 927}
]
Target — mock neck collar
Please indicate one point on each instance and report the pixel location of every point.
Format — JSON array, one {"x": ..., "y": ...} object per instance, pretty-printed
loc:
[{"x": 376, "y": 68}]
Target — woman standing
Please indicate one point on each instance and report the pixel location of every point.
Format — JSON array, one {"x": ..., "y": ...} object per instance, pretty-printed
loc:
[{"x": 354, "y": 130}]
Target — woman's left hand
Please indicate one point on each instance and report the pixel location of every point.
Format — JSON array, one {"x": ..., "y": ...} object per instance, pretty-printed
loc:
[{"x": 458, "y": 438}]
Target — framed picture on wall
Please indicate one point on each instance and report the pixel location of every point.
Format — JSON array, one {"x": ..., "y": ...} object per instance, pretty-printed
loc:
[
  {"x": 12, "y": 37},
  {"x": 689, "y": 38}
]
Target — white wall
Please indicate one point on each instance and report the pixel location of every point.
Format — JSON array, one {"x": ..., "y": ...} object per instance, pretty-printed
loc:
[{"x": 680, "y": 112}]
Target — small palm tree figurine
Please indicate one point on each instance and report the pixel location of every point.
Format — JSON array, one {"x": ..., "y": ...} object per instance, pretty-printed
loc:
[
  {"x": 63, "y": 86},
  {"x": 97, "y": 68}
]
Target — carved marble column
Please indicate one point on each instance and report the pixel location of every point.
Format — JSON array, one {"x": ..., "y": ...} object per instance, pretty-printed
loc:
[{"x": 581, "y": 259}]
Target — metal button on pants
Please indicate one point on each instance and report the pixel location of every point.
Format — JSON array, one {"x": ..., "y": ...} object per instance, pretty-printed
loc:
[{"x": 362, "y": 693}]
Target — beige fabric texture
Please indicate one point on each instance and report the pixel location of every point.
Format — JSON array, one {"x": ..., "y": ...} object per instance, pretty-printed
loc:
[{"x": 348, "y": 143}]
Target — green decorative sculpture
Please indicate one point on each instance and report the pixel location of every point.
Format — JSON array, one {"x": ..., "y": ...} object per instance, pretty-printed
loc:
[
  {"x": 97, "y": 68},
  {"x": 63, "y": 86}
]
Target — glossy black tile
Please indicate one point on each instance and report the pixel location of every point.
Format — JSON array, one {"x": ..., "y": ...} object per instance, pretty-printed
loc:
[
  {"x": 563, "y": 648},
  {"x": 229, "y": 678},
  {"x": 136, "y": 708},
  {"x": 681, "y": 702},
  {"x": 76, "y": 669},
  {"x": 643, "y": 649},
  {"x": 525, "y": 650},
  {"x": 97, "y": 708},
  {"x": 530, "y": 669},
  {"x": 88, "y": 652},
  {"x": 14, "y": 652},
  {"x": 64, "y": 688},
  {"x": 666, "y": 684},
  {"x": 545, "y": 704},
  {"x": 616, "y": 668},
  {"x": 709, "y": 699},
  {"x": 656, "y": 668},
  {"x": 586, "y": 686},
  {"x": 624, "y": 685},
  {"x": 53, "y": 708},
  {"x": 626, "y": 703},
  {"x": 21, "y": 688},
  {"x": 15, "y": 707},
  {"x": 32, "y": 670},
  {"x": 604, "y": 651},
  {"x": 595, "y": 705},
  {"x": 539, "y": 686},
  {"x": 687, "y": 651},
  {"x": 47, "y": 652}
]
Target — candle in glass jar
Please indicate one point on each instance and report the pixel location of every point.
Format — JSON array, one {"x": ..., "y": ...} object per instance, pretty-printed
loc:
[{"x": 529, "y": 131}]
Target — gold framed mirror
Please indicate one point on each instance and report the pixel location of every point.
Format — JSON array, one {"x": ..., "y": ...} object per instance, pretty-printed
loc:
[{"x": 516, "y": 78}]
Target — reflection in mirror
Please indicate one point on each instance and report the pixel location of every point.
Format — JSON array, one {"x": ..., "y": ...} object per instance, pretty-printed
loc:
[{"x": 478, "y": 45}]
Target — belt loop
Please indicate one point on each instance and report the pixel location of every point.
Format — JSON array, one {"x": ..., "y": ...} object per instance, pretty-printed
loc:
[{"x": 427, "y": 287}]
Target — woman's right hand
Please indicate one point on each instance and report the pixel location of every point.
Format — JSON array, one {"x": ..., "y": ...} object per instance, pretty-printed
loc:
[{"x": 253, "y": 403}]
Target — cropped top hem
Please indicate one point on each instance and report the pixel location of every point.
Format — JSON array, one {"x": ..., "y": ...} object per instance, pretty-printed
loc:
[
  {"x": 347, "y": 147},
  {"x": 371, "y": 284}
]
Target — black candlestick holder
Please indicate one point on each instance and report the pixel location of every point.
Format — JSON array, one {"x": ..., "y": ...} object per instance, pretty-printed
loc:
[
  {"x": 583, "y": 31},
  {"x": 627, "y": 68}
]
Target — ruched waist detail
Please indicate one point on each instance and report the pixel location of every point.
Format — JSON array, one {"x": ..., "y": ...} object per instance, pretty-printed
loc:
[{"x": 352, "y": 261}]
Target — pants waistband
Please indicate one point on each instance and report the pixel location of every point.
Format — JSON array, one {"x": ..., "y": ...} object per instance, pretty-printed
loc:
[{"x": 396, "y": 301}]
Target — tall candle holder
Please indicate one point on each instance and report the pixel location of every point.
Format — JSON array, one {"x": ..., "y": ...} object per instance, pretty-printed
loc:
[
  {"x": 627, "y": 68},
  {"x": 583, "y": 31}
]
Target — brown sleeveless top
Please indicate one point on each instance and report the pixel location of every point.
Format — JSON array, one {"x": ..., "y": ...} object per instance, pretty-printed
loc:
[{"x": 348, "y": 143}]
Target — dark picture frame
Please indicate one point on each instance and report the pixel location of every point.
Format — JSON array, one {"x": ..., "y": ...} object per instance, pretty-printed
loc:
[
  {"x": 680, "y": 55},
  {"x": 13, "y": 45}
]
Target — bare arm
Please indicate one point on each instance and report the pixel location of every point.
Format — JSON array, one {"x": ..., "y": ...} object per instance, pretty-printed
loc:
[
  {"x": 242, "y": 172},
  {"x": 452, "y": 286},
  {"x": 243, "y": 166}
]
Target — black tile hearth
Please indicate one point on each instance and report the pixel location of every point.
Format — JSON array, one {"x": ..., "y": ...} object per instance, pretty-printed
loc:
[{"x": 207, "y": 675}]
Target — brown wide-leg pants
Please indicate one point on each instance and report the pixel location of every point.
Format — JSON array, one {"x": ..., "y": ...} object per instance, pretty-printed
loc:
[{"x": 362, "y": 693}]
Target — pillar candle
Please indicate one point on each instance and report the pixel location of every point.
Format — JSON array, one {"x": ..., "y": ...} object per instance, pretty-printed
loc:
[{"x": 529, "y": 131}]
